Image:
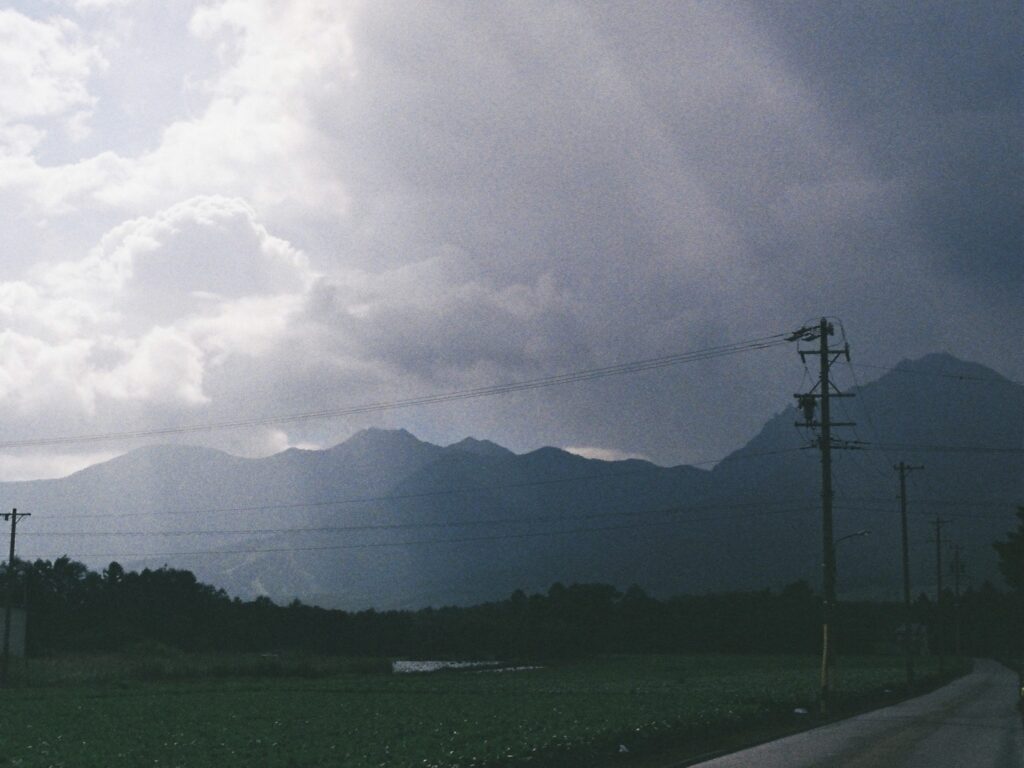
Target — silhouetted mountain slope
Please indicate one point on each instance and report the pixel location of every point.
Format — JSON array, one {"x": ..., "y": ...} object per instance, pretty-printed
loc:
[
  {"x": 922, "y": 413},
  {"x": 480, "y": 447},
  {"x": 387, "y": 520}
]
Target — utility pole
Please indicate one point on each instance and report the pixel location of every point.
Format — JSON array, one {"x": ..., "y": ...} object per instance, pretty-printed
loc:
[
  {"x": 939, "y": 640},
  {"x": 822, "y": 393},
  {"x": 903, "y": 469},
  {"x": 13, "y": 516},
  {"x": 958, "y": 569}
]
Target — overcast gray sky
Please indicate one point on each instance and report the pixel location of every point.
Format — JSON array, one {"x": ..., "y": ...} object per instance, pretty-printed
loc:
[{"x": 237, "y": 208}]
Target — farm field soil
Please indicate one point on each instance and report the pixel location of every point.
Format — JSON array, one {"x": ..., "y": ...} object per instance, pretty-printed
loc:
[{"x": 574, "y": 714}]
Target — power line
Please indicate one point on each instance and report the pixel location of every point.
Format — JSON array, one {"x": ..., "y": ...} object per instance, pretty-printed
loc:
[
  {"x": 888, "y": 447},
  {"x": 674, "y": 510},
  {"x": 924, "y": 447},
  {"x": 991, "y": 503},
  {"x": 957, "y": 515},
  {"x": 422, "y": 494},
  {"x": 389, "y": 544},
  {"x": 589, "y": 374},
  {"x": 861, "y": 468},
  {"x": 955, "y": 376},
  {"x": 867, "y": 411},
  {"x": 353, "y": 499},
  {"x": 856, "y": 506},
  {"x": 966, "y": 516}
]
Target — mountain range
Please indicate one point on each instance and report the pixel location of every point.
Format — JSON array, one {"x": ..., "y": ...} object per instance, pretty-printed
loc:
[{"x": 385, "y": 520}]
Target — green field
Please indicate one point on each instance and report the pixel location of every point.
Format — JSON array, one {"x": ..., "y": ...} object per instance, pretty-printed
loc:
[{"x": 210, "y": 711}]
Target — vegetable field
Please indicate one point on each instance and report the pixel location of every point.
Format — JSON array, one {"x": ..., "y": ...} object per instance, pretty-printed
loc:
[{"x": 611, "y": 709}]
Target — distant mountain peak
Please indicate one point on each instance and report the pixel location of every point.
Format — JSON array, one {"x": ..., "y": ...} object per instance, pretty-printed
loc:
[
  {"x": 378, "y": 437},
  {"x": 173, "y": 449},
  {"x": 165, "y": 452},
  {"x": 479, "y": 447},
  {"x": 945, "y": 364}
]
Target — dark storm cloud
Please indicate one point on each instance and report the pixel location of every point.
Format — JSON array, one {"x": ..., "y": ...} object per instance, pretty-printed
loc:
[
  {"x": 495, "y": 192},
  {"x": 682, "y": 173},
  {"x": 933, "y": 92}
]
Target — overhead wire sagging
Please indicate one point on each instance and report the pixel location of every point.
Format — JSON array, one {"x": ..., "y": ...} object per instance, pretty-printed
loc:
[{"x": 590, "y": 374}]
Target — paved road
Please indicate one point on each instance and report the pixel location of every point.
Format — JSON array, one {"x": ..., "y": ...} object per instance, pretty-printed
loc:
[{"x": 970, "y": 723}]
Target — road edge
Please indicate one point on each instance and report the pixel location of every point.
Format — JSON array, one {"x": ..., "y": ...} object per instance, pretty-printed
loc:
[{"x": 766, "y": 733}]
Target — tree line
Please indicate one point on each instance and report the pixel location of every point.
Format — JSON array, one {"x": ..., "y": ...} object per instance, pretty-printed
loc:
[{"x": 74, "y": 609}]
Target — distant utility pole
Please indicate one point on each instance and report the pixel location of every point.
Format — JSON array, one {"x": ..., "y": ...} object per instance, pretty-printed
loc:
[
  {"x": 939, "y": 623},
  {"x": 958, "y": 569},
  {"x": 823, "y": 392},
  {"x": 903, "y": 469},
  {"x": 13, "y": 516}
]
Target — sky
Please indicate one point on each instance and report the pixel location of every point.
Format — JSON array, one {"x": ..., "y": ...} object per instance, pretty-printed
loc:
[{"x": 222, "y": 210}]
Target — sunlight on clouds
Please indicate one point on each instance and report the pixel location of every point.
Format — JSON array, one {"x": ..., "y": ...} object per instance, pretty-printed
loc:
[
  {"x": 277, "y": 440},
  {"x": 209, "y": 245},
  {"x": 145, "y": 313},
  {"x": 604, "y": 454},
  {"x": 32, "y": 310},
  {"x": 19, "y": 139},
  {"x": 99, "y": 5},
  {"x": 165, "y": 366},
  {"x": 36, "y": 375},
  {"x": 253, "y": 138},
  {"x": 46, "y": 67},
  {"x": 277, "y": 48},
  {"x": 251, "y": 326}
]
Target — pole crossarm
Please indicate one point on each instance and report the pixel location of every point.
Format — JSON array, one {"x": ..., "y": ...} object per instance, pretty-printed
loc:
[
  {"x": 835, "y": 393},
  {"x": 816, "y": 424},
  {"x": 19, "y": 515}
]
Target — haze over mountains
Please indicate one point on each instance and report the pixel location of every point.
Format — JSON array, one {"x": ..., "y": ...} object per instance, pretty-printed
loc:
[{"x": 385, "y": 520}]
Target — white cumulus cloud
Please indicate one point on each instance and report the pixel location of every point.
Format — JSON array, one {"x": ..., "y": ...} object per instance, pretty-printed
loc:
[
  {"x": 146, "y": 313},
  {"x": 46, "y": 67}
]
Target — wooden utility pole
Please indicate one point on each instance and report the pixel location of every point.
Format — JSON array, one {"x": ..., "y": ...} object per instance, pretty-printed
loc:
[
  {"x": 822, "y": 393},
  {"x": 939, "y": 623},
  {"x": 957, "y": 572},
  {"x": 13, "y": 516},
  {"x": 908, "y": 618}
]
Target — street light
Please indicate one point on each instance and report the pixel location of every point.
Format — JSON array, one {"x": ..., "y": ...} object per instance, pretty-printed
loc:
[{"x": 864, "y": 532}]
